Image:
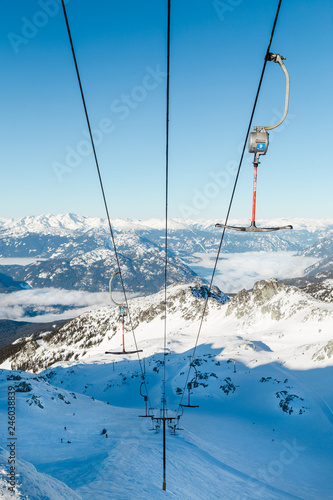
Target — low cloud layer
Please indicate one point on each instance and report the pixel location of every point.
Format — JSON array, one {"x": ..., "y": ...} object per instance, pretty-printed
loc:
[
  {"x": 241, "y": 270},
  {"x": 14, "y": 306},
  {"x": 235, "y": 272}
]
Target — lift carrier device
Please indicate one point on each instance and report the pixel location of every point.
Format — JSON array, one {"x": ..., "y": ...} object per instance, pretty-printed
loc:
[{"x": 258, "y": 144}]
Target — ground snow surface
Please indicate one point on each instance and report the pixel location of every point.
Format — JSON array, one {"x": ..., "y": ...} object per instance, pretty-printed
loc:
[
  {"x": 233, "y": 447},
  {"x": 242, "y": 443}
]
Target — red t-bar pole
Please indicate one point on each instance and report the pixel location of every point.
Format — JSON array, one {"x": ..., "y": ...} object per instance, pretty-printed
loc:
[
  {"x": 123, "y": 336},
  {"x": 254, "y": 193}
]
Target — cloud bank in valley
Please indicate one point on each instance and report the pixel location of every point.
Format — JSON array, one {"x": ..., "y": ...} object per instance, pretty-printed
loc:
[
  {"x": 241, "y": 270},
  {"x": 235, "y": 272},
  {"x": 46, "y": 302}
]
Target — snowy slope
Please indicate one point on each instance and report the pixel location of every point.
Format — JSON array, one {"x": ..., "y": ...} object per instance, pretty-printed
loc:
[
  {"x": 32, "y": 484},
  {"x": 322, "y": 267},
  {"x": 321, "y": 249},
  {"x": 263, "y": 429}
]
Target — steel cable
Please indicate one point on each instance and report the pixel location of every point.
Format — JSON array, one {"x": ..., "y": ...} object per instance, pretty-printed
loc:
[
  {"x": 103, "y": 193},
  {"x": 231, "y": 200}
]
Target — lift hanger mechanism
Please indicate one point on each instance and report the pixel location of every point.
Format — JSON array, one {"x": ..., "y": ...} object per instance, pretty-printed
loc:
[
  {"x": 122, "y": 315},
  {"x": 190, "y": 384},
  {"x": 258, "y": 144},
  {"x": 145, "y": 398}
]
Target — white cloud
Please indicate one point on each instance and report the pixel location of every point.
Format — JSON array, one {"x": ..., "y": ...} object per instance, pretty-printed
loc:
[
  {"x": 241, "y": 270},
  {"x": 235, "y": 271},
  {"x": 13, "y": 306}
]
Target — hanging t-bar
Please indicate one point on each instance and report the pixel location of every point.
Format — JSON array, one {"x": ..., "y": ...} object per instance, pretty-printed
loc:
[
  {"x": 258, "y": 144},
  {"x": 145, "y": 398},
  {"x": 190, "y": 384},
  {"x": 189, "y": 388},
  {"x": 122, "y": 314}
]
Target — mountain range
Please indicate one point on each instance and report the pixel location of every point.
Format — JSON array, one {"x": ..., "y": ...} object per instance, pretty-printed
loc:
[{"x": 75, "y": 252}]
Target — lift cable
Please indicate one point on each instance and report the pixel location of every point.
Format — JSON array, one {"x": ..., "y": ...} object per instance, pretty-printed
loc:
[
  {"x": 231, "y": 201},
  {"x": 102, "y": 189},
  {"x": 166, "y": 240}
]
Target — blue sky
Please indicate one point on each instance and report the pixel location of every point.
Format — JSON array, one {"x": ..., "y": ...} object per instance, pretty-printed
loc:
[{"x": 216, "y": 59}]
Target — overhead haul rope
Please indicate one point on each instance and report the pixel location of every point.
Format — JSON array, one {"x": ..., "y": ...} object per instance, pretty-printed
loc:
[
  {"x": 166, "y": 239},
  {"x": 231, "y": 201},
  {"x": 103, "y": 193}
]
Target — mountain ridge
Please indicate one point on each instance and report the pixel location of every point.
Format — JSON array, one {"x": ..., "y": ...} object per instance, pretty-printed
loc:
[
  {"x": 75, "y": 252},
  {"x": 75, "y": 222},
  {"x": 271, "y": 303}
]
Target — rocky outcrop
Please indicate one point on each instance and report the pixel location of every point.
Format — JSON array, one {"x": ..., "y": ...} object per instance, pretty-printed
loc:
[{"x": 276, "y": 300}]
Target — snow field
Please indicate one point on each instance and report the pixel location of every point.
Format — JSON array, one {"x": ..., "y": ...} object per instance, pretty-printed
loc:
[{"x": 263, "y": 429}]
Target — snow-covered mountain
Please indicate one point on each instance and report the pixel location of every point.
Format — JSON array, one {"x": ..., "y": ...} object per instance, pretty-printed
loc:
[
  {"x": 271, "y": 304},
  {"x": 322, "y": 290},
  {"x": 186, "y": 236},
  {"x": 262, "y": 379},
  {"x": 75, "y": 252},
  {"x": 142, "y": 264},
  {"x": 321, "y": 267},
  {"x": 99, "y": 328},
  {"x": 321, "y": 248},
  {"x": 61, "y": 224},
  {"x": 81, "y": 259}
]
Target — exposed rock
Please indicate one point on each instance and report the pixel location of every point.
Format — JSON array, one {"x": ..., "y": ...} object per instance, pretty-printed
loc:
[
  {"x": 321, "y": 291},
  {"x": 279, "y": 301},
  {"x": 23, "y": 387},
  {"x": 325, "y": 352},
  {"x": 263, "y": 291}
]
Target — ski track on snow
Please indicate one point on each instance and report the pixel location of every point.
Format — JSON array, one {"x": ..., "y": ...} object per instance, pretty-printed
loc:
[{"x": 242, "y": 475}]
